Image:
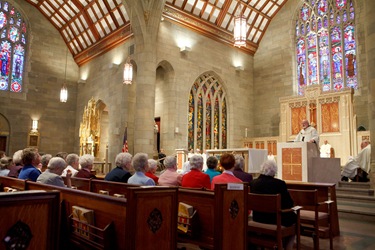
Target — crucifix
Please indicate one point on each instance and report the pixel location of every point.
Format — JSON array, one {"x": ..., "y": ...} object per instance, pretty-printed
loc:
[{"x": 312, "y": 109}]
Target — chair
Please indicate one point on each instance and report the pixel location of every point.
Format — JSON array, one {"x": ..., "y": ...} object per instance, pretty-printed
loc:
[
  {"x": 314, "y": 214},
  {"x": 269, "y": 235}
]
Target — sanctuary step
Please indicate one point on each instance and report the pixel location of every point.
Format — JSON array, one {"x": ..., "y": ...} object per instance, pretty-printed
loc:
[{"x": 356, "y": 201}]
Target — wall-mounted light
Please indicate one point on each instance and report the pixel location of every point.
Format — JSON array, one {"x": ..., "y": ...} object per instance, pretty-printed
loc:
[
  {"x": 176, "y": 130},
  {"x": 114, "y": 65},
  {"x": 185, "y": 49},
  {"x": 34, "y": 126},
  {"x": 239, "y": 68},
  {"x": 81, "y": 81},
  {"x": 128, "y": 72}
]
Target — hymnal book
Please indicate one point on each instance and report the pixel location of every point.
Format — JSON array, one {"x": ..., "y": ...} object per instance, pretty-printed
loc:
[
  {"x": 86, "y": 216},
  {"x": 185, "y": 214}
]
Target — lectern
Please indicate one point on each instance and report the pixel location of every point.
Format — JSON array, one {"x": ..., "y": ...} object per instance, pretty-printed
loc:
[{"x": 294, "y": 159}]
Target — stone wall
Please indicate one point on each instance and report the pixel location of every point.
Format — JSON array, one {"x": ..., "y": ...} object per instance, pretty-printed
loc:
[{"x": 43, "y": 77}]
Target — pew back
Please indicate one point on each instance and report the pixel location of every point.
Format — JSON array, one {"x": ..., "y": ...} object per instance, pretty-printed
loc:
[
  {"x": 221, "y": 217},
  {"x": 11, "y": 182},
  {"x": 326, "y": 191},
  {"x": 34, "y": 211}
]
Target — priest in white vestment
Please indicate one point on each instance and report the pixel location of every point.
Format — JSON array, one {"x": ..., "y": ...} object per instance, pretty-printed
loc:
[
  {"x": 325, "y": 150},
  {"x": 308, "y": 133},
  {"x": 359, "y": 165}
]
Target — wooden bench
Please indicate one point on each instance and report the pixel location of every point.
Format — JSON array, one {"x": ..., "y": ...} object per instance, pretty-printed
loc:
[
  {"x": 10, "y": 182},
  {"x": 221, "y": 217},
  {"x": 31, "y": 216},
  {"x": 326, "y": 191},
  {"x": 146, "y": 218},
  {"x": 80, "y": 183}
]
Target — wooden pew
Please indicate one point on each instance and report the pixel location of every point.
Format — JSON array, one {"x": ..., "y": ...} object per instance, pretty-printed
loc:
[
  {"x": 80, "y": 183},
  {"x": 326, "y": 191},
  {"x": 146, "y": 218},
  {"x": 221, "y": 217},
  {"x": 37, "y": 211},
  {"x": 119, "y": 188},
  {"x": 11, "y": 182}
]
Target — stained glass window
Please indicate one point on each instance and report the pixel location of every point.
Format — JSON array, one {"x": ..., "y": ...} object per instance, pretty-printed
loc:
[
  {"x": 207, "y": 119},
  {"x": 326, "y": 45},
  {"x": 12, "y": 48}
]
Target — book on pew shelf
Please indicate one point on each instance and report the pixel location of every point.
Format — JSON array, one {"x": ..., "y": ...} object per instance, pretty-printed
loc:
[
  {"x": 185, "y": 210},
  {"x": 185, "y": 218},
  {"x": 9, "y": 189},
  {"x": 105, "y": 192},
  {"x": 85, "y": 216}
]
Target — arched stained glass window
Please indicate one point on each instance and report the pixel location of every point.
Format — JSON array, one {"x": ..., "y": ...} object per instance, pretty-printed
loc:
[
  {"x": 207, "y": 119},
  {"x": 12, "y": 48},
  {"x": 326, "y": 45}
]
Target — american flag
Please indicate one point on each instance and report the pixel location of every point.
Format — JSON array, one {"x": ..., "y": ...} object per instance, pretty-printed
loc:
[{"x": 125, "y": 141}]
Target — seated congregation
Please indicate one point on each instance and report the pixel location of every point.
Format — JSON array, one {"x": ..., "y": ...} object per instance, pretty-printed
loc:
[{"x": 94, "y": 211}]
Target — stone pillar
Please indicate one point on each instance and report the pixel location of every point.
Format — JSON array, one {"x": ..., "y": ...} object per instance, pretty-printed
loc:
[
  {"x": 145, "y": 20},
  {"x": 370, "y": 55}
]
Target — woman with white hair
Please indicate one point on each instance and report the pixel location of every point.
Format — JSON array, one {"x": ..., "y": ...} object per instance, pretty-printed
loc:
[
  {"x": 72, "y": 160},
  {"x": 140, "y": 165},
  {"x": 15, "y": 169},
  {"x": 121, "y": 172},
  {"x": 87, "y": 163},
  {"x": 152, "y": 166},
  {"x": 170, "y": 177},
  {"x": 52, "y": 175},
  {"x": 266, "y": 183},
  {"x": 196, "y": 178}
]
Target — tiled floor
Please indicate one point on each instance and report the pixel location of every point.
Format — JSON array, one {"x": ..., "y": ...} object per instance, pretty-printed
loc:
[{"x": 354, "y": 235}]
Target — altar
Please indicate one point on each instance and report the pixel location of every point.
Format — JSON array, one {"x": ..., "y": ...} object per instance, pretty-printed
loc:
[{"x": 253, "y": 157}]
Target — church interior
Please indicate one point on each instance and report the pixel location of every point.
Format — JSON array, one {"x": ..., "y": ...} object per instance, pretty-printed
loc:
[{"x": 95, "y": 76}]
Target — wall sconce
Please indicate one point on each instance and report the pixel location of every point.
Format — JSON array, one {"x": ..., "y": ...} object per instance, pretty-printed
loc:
[
  {"x": 185, "y": 49},
  {"x": 114, "y": 66},
  {"x": 81, "y": 81},
  {"x": 34, "y": 127},
  {"x": 177, "y": 130},
  {"x": 239, "y": 68},
  {"x": 128, "y": 72}
]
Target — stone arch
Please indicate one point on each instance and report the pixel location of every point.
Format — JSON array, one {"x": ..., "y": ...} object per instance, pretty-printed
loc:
[{"x": 165, "y": 106}]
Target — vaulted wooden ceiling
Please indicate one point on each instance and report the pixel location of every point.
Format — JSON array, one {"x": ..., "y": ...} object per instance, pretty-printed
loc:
[{"x": 92, "y": 27}]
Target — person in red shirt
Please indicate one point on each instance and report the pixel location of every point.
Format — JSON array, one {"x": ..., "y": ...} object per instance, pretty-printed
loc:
[
  {"x": 227, "y": 161},
  {"x": 152, "y": 166},
  {"x": 196, "y": 178}
]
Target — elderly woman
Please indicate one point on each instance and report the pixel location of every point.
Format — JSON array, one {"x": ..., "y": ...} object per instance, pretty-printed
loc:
[
  {"x": 267, "y": 184},
  {"x": 140, "y": 165},
  {"x": 195, "y": 178},
  {"x": 5, "y": 164},
  {"x": 87, "y": 163},
  {"x": 52, "y": 176},
  {"x": 30, "y": 159},
  {"x": 227, "y": 161},
  {"x": 72, "y": 160},
  {"x": 152, "y": 166},
  {"x": 121, "y": 172},
  {"x": 170, "y": 177},
  {"x": 211, "y": 167},
  {"x": 44, "y": 162},
  {"x": 238, "y": 169},
  {"x": 15, "y": 169}
]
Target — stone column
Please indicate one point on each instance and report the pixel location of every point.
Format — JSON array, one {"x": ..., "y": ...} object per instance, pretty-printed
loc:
[
  {"x": 145, "y": 18},
  {"x": 370, "y": 55}
]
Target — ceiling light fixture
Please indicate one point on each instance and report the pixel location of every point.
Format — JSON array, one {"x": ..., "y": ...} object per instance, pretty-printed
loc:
[
  {"x": 240, "y": 29},
  {"x": 64, "y": 90}
]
